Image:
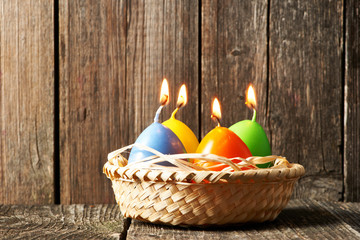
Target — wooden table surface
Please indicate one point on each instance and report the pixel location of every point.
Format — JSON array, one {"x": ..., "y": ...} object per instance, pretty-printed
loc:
[{"x": 301, "y": 219}]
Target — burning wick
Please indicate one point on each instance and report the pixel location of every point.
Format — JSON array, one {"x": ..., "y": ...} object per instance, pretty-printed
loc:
[
  {"x": 182, "y": 100},
  {"x": 216, "y": 119},
  {"x": 251, "y": 100},
  {"x": 216, "y": 111},
  {"x": 164, "y": 98}
]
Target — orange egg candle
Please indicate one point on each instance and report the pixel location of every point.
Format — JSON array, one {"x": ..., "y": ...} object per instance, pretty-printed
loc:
[{"x": 221, "y": 141}]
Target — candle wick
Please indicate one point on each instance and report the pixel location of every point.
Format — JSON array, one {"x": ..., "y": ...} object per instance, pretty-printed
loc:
[
  {"x": 164, "y": 99},
  {"x": 156, "y": 118},
  {"x": 180, "y": 102},
  {"x": 216, "y": 119},
  {"x": 174, "y": 112},
  {"x": 254, "y": 115}
]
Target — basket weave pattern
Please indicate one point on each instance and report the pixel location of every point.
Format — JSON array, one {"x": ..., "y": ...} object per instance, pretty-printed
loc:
[
  {"x": 191, "y": 204},
  {"x": 182, "y": 197}
]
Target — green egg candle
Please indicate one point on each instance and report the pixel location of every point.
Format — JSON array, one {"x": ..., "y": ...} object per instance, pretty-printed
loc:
[{"x": 251, "y": 132}]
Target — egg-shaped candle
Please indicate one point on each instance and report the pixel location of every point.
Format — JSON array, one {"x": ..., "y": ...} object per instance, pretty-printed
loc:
[
  {"x": 157, "y": 136},
  {"x": 221, "y": 141},
  {"x": 251, "y": 132},
  {"x": 182, "y": 131}
]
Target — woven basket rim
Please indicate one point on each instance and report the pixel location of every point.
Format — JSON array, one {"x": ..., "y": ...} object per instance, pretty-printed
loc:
[
  {"x": 117, "y": 168},
  {"x": 203, "y": 183},
  {"x": 114, "y": 171}
]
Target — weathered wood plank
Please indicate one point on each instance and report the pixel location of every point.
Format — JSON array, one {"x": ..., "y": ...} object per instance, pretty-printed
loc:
[
  {"x": 26, "y": 102},
  {"x": 62, "y": 222},
  {"x": 305, "y": 83},
  {"x": 181, "y": 57},
  {"x": 233, "y": 38},
  {"x": 92, "y": 82},
  {"x": 162, "y": 41},
  {"x": 113, "y": 57},
  {"x": 301, "y": 219},
  {"x": 352, "y": 102},
  {"x": 323, "y": 186}
]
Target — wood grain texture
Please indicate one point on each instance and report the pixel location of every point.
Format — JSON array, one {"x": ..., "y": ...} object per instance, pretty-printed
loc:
[
  {"x": 301, "y": 219},
  {"x": 352, "y": 102},
  {"x": 62, "y": 222},
  {"x": 114, "y": 54},
  {"x": 92, "y": 82},
  {"x": 26, "y": 102},
  {"x": 113, "y": 58},
  {"x": 233, "y": 54},
  {"x": 162, "y": 41},
  {"x": 305, "y": 82}
]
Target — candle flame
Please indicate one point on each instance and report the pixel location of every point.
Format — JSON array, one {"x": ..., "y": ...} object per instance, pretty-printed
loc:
[
  {"x": 164, "y": 93},
  {"x": 182, "y": 99},
  {"x": 216, "y": 110},
  {"x": 250, "y": 97}
]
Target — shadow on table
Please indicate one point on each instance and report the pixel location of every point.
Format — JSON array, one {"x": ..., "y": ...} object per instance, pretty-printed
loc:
[{"x": 296, "y": 217}]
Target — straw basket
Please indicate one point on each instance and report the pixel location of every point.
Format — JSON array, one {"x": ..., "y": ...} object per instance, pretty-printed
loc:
[{"x": 190, "y": 195}]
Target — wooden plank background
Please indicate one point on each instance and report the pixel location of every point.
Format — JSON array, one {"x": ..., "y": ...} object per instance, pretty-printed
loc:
[
  {"x": 92, "y": 83},
  {"x": 26, "y": 102},
  {"x": 352, "y": 102},
  {"x": 79, "y": 79},
  {"x": 305, "y": 89},
  {"x": 233, "y": 54}
]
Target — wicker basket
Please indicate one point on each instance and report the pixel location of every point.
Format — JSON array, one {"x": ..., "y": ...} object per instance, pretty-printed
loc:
[{"x": 193, "y": 197}]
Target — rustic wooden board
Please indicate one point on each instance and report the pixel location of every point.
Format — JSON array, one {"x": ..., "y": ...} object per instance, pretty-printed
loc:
[
  {"x": 233, "y": 54},
  {"x": 92, "y": 81},
  {"x": 113, "y": 57},
  {"x": 26, "y": 102},
  {"x": 301, "y": 219},
  {"x": 162, "y": 41},
  {"x": 352, "y": 102},
  {"x": 305, "y": 89},
  {"x": 62, "y": 222},
  {"x": 181, "y": 57}
]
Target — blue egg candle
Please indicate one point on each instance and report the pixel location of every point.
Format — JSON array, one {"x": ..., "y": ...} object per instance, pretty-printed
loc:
[{"x": 157, "y": 136}]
